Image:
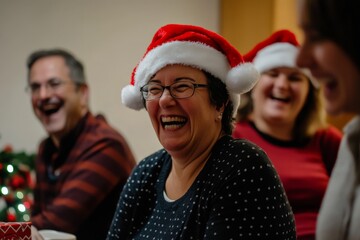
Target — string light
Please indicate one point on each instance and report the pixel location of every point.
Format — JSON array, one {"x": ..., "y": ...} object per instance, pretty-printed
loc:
[
  {"x": 19, "y": 195},
  {"x": 10, "y": 168},
  {"x": 4, "y": 191},
  {"x": 16, "y": 183},
  {"x": 21, "y": 207}
]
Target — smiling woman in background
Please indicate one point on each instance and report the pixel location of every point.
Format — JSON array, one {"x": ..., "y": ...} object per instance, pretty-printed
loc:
[
  {"x": 331, "y": 51},
  {"x": 203, "y": 184},
  {"x": 284, "y": 116}
]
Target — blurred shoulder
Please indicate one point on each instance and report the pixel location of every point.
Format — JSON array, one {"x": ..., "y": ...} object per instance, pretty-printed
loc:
[
  {"x": 239, "y": 150},
  {"x": 329, "y": 134},
  {"x": 240, "y": 145}
]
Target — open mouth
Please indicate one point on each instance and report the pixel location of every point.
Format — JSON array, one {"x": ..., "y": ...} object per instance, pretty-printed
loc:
[
  {"x": 281, "y": 99},
  {"x": 50, "y": 106},
  {"x": 173, "y": 122}
]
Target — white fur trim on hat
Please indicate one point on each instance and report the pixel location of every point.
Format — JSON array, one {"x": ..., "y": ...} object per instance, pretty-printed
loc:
[
  {"x": 188, "y": 53},
  {"x": 240, "y": 79},
  {"x": 281, "y": 54},
  {"x": 276, "y": 55}
]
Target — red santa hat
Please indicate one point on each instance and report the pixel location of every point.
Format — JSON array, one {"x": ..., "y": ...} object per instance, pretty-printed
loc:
[
  {"x": 192, "y": 46},
  {"x": 278, "y": 50}
]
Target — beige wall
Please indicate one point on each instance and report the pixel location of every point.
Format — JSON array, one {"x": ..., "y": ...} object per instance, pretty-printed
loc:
[
  {"x": 245, "y": 22},
  {"x": 285, "y": 16},
  {"x": 109, "y": 36}
]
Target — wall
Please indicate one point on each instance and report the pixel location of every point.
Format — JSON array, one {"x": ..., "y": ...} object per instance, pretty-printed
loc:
[
  {"x": 109, "y": 36},
  {"x": 244, "y": 22}
]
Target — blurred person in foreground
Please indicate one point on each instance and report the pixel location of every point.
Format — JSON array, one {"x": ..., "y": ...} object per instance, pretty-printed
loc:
[
  {"x": 203, "y": 184},
  {"x": 83, "y": 164},
  {"x": 330, "y": 50},
  {"x": 283, "y": 115}
]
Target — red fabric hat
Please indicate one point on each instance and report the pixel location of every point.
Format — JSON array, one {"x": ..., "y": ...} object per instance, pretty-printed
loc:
[
  {"x": 278, "y": 50},
  {"x": 192, "y": 46}
]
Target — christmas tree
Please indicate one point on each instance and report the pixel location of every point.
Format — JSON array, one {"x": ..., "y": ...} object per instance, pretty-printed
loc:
[{"x": 16, "y": 185}]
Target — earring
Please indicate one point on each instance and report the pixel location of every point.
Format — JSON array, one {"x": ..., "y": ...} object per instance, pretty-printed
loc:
[{"x": 220, "y": 115}]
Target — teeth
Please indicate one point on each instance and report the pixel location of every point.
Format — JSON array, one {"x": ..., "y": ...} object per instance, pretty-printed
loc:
[
  {"x": 172, "y": 119},
  {"x": 173, "y": 126},
  {"x": 280, "y": 96},
  {"x": 172, "y": 123}
]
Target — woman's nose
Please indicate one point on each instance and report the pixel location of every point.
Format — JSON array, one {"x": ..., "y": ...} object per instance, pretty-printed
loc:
[
  {"x": 166, "y": 98},
  {"x": 282, "y": 81}
]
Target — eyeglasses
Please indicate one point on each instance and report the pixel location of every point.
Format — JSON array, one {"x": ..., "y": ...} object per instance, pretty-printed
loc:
[
  {"x": 53, "y": 85},
  {"x": 177, "y": 90}
]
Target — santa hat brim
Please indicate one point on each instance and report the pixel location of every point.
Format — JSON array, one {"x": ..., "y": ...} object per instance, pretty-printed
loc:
[
  {"x": 195, "y": 54},
  {"x": 279, "y": 55}
]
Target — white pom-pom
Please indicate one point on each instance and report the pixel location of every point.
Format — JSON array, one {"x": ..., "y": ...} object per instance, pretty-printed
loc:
[
  {"x": 131, "y": 97},
  {"x": 242, "y": 78}
]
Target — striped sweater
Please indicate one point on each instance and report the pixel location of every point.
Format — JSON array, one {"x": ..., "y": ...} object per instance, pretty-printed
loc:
[{"x": 78, "y": 184}]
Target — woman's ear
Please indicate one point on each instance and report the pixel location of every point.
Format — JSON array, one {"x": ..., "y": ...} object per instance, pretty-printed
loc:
[{"x": 220, "y": 110}]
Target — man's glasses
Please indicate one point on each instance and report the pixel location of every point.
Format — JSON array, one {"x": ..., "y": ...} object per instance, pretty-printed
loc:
[
  {"x": 52, "y": 85},
  {"x": 177, "y": 90}
]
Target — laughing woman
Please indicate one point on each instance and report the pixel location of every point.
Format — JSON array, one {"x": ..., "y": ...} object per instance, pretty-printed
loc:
[
  {"x": 203, "y": 184},
  {"x": 331, "y": 52},
  {"x": 284, "y": 116}
]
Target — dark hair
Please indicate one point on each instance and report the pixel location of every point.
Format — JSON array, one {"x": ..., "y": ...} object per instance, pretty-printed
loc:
[
  {"x": 219, "y": 96},
  {"x": 311, "y": 116},
  {"x": 336, "y": 20},
  {"x": 75, "y": 66},
  {"x": 246, "y": 107}
]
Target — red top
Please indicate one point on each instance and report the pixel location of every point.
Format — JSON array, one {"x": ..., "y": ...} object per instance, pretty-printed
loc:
[{"x": 303, "y": 167}]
